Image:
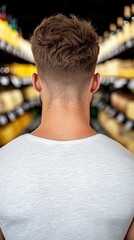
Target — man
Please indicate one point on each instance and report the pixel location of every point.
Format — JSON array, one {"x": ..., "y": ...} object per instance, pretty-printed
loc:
[{"x": 65, "y": 181}]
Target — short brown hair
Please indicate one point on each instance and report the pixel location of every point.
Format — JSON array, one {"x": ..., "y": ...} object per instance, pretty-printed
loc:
[{"x": 65, "y": 47}]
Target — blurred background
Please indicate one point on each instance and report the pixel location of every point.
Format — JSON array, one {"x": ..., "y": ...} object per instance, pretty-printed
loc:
[{"x": 112, "y": 109}]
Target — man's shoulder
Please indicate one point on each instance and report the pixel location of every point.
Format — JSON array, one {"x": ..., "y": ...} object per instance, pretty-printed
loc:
[
  {"x": 13, "y": 145},
  {"x": 114, "y": 148},
  {"x": 11, "y": 152}
]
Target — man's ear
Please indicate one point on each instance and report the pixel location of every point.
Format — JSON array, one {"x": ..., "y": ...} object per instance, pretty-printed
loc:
[
  {"x": 95, "y": 83},
  {"x": 36, "y": 81}
]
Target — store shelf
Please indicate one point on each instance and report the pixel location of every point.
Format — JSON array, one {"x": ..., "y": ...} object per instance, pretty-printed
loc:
[
  {"x": 98, "y": 127},
  {"x": 15, "y": 82},
  {"x": 11, "y": 54},
  {"x": 117, "y": 130},
  {"x": 116, "y": 67},
  {"x": 33, "y": 125},
  {"x": 20, "y": 108},
  {"x": 124, "y": 51},
  {"x": 117, "y": 82},
  {"x": 19, "y": 111}
]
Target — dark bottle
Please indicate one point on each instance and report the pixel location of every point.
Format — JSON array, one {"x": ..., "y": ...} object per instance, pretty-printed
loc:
[
  {"x": 112, "y": 112},
  {"x": 121, "y": 118},
  {"x": 126, "y": 23},
  {"x": 3, "y": 15},
  {"x": 132, "y": 13},
  {"x": 113, "y": 39},
  {"x": 119, "y": 34},
  {"x": 132, "y": 21},
  {"x": 127, "y": 15},
  {"x": 119, "y": 24},
  {"x": 129, "y": 125},
  {"x": 8, "y": 79},
  {"x": 4, "y": 76},
  {"x": 112, "y": 28},
  {"x": 106, "y": 35}
]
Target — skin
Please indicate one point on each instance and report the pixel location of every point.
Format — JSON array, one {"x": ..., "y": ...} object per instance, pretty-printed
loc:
[
  {"x": 67, "y": 121},
  {"x": 130, "y": 233},
  {"x": 55, "y": 116},
  {"x": 1, "y": 235}
]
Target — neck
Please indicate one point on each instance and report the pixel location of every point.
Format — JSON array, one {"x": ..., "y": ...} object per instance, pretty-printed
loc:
[{"x": 64, "y": 122}]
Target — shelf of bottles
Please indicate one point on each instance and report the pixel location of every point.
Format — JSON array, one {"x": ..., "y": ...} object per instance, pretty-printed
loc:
[
  {"x": 19, "y": 102},
  {"x": 11, "y": 39},
  {"x": 112, "y": 108},
  {"x": 20, "y": 108},
  {"x": 119, "y": 39}
]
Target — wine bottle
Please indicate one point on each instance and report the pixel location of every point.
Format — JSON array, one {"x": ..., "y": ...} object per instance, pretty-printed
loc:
[
  {"x": 132, "y": 21},
  {"x": 132, "y": 13},
  {"x": 3, "y": 119},
  {"x": 113, "y": 40},
  {"x": 7, "y": 79},
  {"x": 3, "y": 14},
  {"x": 106, "y": 35},
  {"x": 129, "y": 125},
  {"x": 127, "y": 15},
  {"x": 119, "y": 24},
  {"x": 119, "y": 31},
  {"x": 104, "y": 48},
  {"x": 126, "y": 23},
  {"x": 4, "y": 76},
  {"x": 121, "y": 118},
  {"x": 111, "y": 111},
  {"x": 112, "y": 28}
]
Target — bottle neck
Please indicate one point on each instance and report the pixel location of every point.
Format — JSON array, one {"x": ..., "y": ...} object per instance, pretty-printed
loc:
[
  {"x": 132, "y": 13},
  {"x": 127, "y": 15},
  {"x": 3, "y": 15},
  {"x": 112, "y": 29},
  {"x": 119, "y": 24}
]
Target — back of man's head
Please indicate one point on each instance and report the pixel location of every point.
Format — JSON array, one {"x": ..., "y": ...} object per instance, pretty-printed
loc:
[{"x": 65, "y": 50}]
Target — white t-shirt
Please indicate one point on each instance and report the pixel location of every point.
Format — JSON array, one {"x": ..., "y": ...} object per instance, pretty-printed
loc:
[{"x": 66, "y": 190}]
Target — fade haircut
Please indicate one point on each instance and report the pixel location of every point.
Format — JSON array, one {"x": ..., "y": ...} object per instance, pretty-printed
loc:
[{"x": 65, "y": 49}]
